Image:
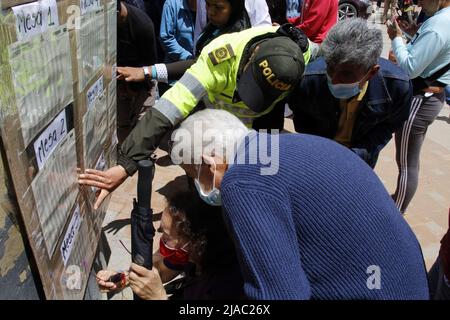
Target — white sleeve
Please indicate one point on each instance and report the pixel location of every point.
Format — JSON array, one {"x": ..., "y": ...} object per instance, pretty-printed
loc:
[{"x": 258, "y": 12}]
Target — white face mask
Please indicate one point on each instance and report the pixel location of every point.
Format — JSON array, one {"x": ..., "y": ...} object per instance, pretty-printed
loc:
[
  {"x": 343, "y": 90},
  {"x": 213, "y": 197}
]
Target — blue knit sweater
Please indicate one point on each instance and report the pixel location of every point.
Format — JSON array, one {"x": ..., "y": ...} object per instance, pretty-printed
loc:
[{"x": 322, "y": 227}]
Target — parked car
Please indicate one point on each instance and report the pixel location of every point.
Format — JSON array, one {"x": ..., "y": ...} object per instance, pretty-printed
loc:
[{"x": 355, "y": 8}]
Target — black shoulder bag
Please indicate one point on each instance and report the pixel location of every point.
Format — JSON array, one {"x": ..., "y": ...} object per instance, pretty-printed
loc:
[{"x": 419, "y": 83}]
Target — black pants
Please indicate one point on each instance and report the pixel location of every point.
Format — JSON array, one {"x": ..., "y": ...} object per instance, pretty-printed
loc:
[
  {"x": 129, "y": 104},
  {"x": 439, "y": 286},
  {"x": 408, "y": 144},
  {"x": 273, "y": 120}
]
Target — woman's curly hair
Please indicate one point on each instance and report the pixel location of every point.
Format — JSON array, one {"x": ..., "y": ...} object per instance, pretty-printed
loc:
[{"x": 203, "y": 226}]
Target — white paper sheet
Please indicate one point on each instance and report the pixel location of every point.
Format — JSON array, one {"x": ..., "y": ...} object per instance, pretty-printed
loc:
[
  {"x": 55, "y": 190},
  {"x": 112, "y": 30},
  {"x": 49, "y": 139},
  {"x": 36, "y": 17},
  {"x": 95, "y": 133},
  {"x": 90, "y": 46},
  {"x": 89, "y": 5},
  {"x": 42, "y": 79},
  {"x": 71, "y": 235}
]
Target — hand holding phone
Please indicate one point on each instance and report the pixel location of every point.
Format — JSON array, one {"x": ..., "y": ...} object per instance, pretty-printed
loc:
[{"x": 393, "y": 29}]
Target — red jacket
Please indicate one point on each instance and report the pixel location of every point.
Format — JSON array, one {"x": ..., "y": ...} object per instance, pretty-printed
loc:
[{"x": 317, "y": 18}]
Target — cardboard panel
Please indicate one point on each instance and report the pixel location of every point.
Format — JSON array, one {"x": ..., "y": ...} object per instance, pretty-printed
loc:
[{"x": 55, "y": 117}]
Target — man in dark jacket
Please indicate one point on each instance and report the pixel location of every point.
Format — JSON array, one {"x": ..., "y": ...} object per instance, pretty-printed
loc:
[
  {"x": 136, "y": 47},
  {"x": 351, "y": 95}
]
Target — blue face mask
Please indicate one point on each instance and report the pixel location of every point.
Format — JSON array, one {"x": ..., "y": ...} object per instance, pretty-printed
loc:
[
  {"x": 343, "y": 90},
  {"x": 213, "y": 197}
]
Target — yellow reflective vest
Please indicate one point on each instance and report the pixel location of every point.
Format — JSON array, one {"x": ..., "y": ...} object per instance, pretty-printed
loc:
[{"x": 213, "y": 79}]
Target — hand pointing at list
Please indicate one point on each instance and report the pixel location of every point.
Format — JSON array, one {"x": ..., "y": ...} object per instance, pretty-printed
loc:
[{"x": 107, "y": 181}]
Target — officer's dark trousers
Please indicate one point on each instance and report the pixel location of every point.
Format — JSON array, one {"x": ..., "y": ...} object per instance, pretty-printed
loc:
[
  {"x": 439, "y": 285},
  {"x": 273, "y": 120},
  {"x": 129, "y": 105},
  {"x": 408, "y": 143}
]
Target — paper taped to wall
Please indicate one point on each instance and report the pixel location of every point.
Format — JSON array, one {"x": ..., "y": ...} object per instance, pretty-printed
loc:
[
  {"x": 55, "y": 190},
  {"x": 36, "y": 17},
  {"x": 42, "y": 78},
  {"x": 49, "y": 139},
  {"x": 71, "y": 235},
  {"x": 89, "y": 5},
  {"x": 94, "y": 126},
  {"x": 111, "y": 30},
  {"x": 90, "y": 46}
]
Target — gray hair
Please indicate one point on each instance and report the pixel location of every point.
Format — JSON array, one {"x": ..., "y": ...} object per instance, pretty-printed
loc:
[
  {"x": 352, "y": 41},
  {"x": 207, "y": 132}
]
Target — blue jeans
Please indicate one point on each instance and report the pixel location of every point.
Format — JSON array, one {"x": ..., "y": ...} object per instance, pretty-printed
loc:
[{"x": 293, "y": 8}]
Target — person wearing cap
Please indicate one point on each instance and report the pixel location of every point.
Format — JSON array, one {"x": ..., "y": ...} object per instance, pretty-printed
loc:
[
  {"x": 351, "y": 95},
  {"x": 246, "y": 73}
]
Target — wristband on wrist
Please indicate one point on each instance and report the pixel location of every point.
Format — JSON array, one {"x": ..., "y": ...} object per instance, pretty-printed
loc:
[
  {"x": 146, "y": 73},
  {"x": 161, "y": 72}
]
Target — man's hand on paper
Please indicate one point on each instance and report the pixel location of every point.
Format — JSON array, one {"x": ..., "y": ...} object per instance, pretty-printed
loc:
[
  {"x": 130, "y": 74},
  {"x": 107, "y": 180}
]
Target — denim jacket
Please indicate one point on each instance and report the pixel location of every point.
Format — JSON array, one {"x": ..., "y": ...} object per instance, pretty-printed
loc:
[
  {"x": 177, "y": 30},
  {"x": 382, "y": 111}
]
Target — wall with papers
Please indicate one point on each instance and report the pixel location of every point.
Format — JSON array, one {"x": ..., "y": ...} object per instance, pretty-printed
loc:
[{"x": 57, "y": 114}]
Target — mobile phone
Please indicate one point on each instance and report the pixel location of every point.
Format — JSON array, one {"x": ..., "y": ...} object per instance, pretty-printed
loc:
[
  {"x": 390, "y": 24},
  {"x": 116, "y": 277},
  {"x": 119, "y": 279}
]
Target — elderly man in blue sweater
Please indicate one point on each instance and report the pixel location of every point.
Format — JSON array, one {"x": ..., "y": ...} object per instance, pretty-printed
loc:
[{"x": 310, "y": 219}]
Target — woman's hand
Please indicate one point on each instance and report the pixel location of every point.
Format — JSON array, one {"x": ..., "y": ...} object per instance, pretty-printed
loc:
[
  {"x": 392, "y": 57},
  {"x": 130, "y": 74},
  {"x": 409, "y": 28},
  {"x": 146, "y": 283},
  {"x": 393, "y": 29},
  {"x": 103, "y": 283},
  {"x": 107, "y": 180}
]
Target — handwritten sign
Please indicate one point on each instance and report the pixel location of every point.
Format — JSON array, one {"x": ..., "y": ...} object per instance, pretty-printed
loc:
[
  {"x": 89, "y": 5},
  {"x": 94, "y": 92},
  {"x": 55, "y": 189},
  {"x": 34, "y": 18},
  {"x": 46, "y": 143},
  {"x": 71, "y": 233}
]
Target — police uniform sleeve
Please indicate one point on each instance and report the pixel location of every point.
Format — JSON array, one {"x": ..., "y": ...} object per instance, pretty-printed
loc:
[
  {"x": 202, "y": 78},
  {"x": 143, "y": 140},
  {"x": 172, "y": 108}
]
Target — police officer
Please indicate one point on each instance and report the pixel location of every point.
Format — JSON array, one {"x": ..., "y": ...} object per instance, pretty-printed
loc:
[{"x": 246, "y": 73}]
